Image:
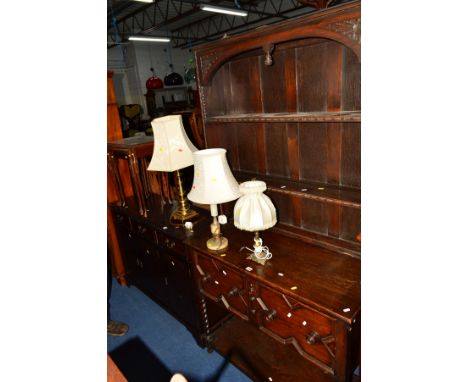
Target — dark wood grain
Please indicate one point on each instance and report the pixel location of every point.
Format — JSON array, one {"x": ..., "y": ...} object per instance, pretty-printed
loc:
[
  {"x": 245, "y": 86},
  {"x": 325, "y": 280},
  {"x": 334, "y": 68},
  {"x": 311, "y": 67},
  {"x": 247, "y": 146},
  {"x": 268, "y": 359},
  {"x": 217, "y": 93},
  {"x": 261, "y": 148},
  {"x": 314, "y": 216},
  {"x": 334, "y": 220},
  {"x": 313, "y": 116},
  {"x": 351, "y": 223},
  {"x": 214, "y": 135},
  {"x": 279, "y": 83},
  {"x": 351, "y": 156},
  {"x": 334, "y": 152},
  {"x": 284, "y": 207},
  {"x": 313, "y": 147},
  {"x": 277, "y": 150},
  {"x": 293, "y": 151},
  {"x": 351, "y": 79}
]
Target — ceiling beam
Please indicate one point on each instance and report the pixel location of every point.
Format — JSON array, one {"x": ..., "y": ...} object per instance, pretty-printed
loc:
[{"x": 224, "y": 27}]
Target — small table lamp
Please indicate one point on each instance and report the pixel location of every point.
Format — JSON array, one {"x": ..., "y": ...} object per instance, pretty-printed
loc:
[
  {"x": 213, "y": 183},
  {"x": 173, "y": 151},
  {"x": 255, "y": 212}
]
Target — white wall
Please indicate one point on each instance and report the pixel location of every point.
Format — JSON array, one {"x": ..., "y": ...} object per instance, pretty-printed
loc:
[{"x": 131, "y": 64}]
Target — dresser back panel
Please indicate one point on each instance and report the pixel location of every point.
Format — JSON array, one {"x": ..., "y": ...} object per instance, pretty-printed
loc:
[{"x": 308, "y": 75}]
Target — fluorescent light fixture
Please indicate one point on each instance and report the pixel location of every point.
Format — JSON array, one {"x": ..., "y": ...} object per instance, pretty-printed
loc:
[
  {"x": 227, "y": 11},
  {"x": 144, "y": 1},
  {"x": 152, "y": 39}
]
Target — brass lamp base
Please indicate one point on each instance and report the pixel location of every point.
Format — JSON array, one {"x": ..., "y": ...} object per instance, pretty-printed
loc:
[
  {"x": 256, "y": 259},
  {"x": 260, "y": 254},
  {"x": 184, "y": 211},
  {"x": 217, "y": 243},
  {"x": 179, "y": 216}
]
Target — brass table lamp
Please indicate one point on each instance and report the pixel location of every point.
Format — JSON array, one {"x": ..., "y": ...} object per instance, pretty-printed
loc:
[{"x": 173, "y": 151}]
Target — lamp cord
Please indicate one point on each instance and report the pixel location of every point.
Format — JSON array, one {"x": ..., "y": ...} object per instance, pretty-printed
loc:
[{"x": 260, "y": 250}]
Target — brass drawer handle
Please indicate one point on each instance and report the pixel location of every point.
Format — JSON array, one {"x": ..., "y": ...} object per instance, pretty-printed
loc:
[
  {"x": 312, "y": 338},
  {"x": 206, "y": 278},
  {"x": 235, "y": 292},
  {"x": 271, "y": 315},
  {"x": 224, "y": 301},
  {"x": 139, "y": 263},
  {"x": 169, "y": 244}
]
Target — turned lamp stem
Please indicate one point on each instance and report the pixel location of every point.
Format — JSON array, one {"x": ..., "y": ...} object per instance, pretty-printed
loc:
[
  {"x": 184, "y": 211},
  {"x": 217, "y": 241}
]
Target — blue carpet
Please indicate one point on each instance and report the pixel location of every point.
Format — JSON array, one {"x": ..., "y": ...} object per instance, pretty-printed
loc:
[{"x": 158, "y": 346}]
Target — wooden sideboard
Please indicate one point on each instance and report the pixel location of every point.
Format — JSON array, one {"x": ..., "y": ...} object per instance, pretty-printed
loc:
[{"x": 297, "y": 317}]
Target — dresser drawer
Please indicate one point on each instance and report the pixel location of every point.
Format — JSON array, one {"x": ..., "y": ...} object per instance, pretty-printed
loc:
[
  {"x": 144, "y": 232},
  {"x": 168, "y": 242},
  {"x": 290, "y": 322},
  {"x": 223, "y": 285}
]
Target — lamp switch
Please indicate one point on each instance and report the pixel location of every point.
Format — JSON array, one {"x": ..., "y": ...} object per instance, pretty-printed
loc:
[{"x": 222, "y": 219}]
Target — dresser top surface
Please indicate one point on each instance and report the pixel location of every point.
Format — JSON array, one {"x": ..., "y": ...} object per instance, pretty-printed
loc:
[{"x": 311, "y": 274}]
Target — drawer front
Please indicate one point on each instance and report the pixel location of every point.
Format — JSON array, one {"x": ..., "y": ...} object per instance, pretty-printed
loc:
[
  {"x": 122, "y": 222},
  {"x": 170, "y": 243},
  {"x": 290, "y": 322},
  {"x": 223, "y": 285},
  {"x": 144, "y": 232}
]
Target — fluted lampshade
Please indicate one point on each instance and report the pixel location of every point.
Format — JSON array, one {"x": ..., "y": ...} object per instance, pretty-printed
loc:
[
  {"x": 213, "y": 182},
  {"x": 172, "y": 147},
  {"x": 254, "y": 211}
]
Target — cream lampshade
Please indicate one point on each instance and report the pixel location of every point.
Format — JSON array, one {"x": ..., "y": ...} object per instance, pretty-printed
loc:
[
  {"x": 213, "y": 183},
  {"x": 255, "y": 212},
  {"x": 173, "y": 151}
]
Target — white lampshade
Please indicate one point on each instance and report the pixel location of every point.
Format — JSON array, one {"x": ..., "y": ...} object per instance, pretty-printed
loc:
[
  {"x": 213, "y": 182},
  {"x": 254, "y": 211},
  {"x": 172, "y": 147}
]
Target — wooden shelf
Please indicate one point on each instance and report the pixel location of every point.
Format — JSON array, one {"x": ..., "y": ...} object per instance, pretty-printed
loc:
[
  {"x": 318, "y": 116},
  {"x": 325, "y": 193}
]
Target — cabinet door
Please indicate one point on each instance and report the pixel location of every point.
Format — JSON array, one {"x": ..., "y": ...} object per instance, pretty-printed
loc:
[
  {"x": 182, "y": 289},
  {"x": 145, "y": 260}
]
